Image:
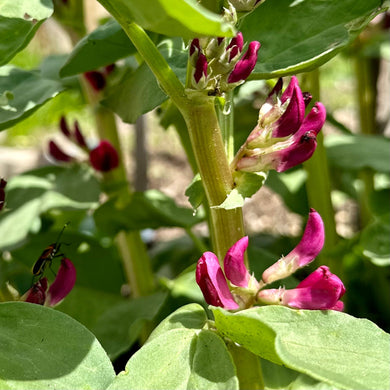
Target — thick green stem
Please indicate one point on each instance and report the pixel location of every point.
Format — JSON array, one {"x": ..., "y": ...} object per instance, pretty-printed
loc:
[
  {"x": 199, "y": 114},
  {"x": 134, "y": 256},
  {"x": 248, "y": 366},
  {"x": 207, "y": 144},
  {"x": 226, "y": 121},
  {"x": 318, "y": 184}
]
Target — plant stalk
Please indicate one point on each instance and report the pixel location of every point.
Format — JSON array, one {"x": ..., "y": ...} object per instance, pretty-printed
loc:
[{"x": 318, "y": 185}]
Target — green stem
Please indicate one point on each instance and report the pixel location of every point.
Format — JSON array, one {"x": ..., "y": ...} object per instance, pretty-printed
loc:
[
  {"x": 199, "y": 114},
  {"x": 202, "y": 122},
  {"x": 366, "y": 74},
  {"x": 134, "y": 256},
  {"x": 318, "y": 185},
  {"x": 248, "y": 367},
  {"x": 226, "y": 121}
]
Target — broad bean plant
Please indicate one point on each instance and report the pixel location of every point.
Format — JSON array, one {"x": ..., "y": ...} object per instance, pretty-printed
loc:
[{"x": 89, "y": 302}]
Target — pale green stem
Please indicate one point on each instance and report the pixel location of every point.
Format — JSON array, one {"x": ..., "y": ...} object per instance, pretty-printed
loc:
[
  {"x": 134, "y": 256},
  {"x": 366, "y": 92},
  {"x": 226, "y": 121},
  {"x": 205, "y": 134},
  {"x": 248, "y": 366},
  {"x": 318, "y": 184},
  {"x": 199, "y": 114}
]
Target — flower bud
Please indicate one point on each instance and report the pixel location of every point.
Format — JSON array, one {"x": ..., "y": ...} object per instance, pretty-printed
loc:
[
  {"x": 304, "y": 253},
  {"x": 235, "y": 46},
  {"x": 57, "y": 153},
  {"x": 212, "y": 282},
  {"x": 104, "y": 157},
  {"x": 234, "y": 265},
  {"x": 96, "y": 80},
  {"x": 293, "y": 116},
  {"x": 37, "y": 293},
  {"x": 200, "y": 73},
  {"x": 246, "y": 64},
  {"x": 63, "y": 283}
]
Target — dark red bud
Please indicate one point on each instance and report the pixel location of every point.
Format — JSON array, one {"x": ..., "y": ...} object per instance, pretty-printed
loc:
[
  {"x": 194, "y": 46},
  {"x": 104, "y": 157},
  {"x": 201, "y": 68},
  {"x": 236, "y": 45},
  {"x": 109, "y": 69},
  {"x": 96, "y": 80},
  {"x": 37, "y": 293},
  {"x": 246, "y": 64}
]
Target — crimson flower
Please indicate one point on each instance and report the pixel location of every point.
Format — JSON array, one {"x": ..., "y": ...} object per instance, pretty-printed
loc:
[
  {"x": 58, "y": 290},
  {"x": 235, "y": 288},
  {"x": 283, "y": 137}
]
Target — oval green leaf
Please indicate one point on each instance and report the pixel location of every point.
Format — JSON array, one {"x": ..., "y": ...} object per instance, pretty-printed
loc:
[
  {"x": 19, "y": 21},
  {"x": 182, "y": 18},
  {"x": 27, "y": 91},
  {"x": 297, "y": 36},
  {"x": 42, "y": 348},
  {"x": 330, "y": 346}
]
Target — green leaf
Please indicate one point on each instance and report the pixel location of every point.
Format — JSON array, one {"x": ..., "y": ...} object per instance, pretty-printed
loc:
[
  {"x": 108, "y": 39},
  {"x": 180, "y": 356},
  {"x": 29, "y": 92},
  {"x": 42, "y": 348},
  {"x": 182, "y": 18},
  {"x": 355, "y": 152},
  {"x": 35, "y": 192},
  {"x": 120, "y": 326},
  {"x": 138, "y": 91},
  {"x": 191, "y": 316},
  {"x": 149, "y": 209},
  {"x": 375, "y": 241},
  {"x": 297, "y": 36},
  {"x": 195, "y": 192},
  {"x": 19, "y": 21},
  {"x": 330, "y": 346}
]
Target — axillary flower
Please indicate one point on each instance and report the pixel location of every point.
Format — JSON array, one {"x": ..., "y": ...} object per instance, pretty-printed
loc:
[
  {"x": 41, "y": 294},
  {"x": 236, "y": 289},
  {"x": 283, "y": 137}
]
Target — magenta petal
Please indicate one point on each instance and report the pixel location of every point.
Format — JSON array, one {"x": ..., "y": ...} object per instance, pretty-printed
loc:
[
  {"x": 234, "y": 265},
  {"x": 236, "y": 45},
  {"x": 304, "y": 141},
  {"x": 246, "y": 64},
  {"x": 194, "y": 46},
  {"x": 308, "y": 248},
  {"x": 292, "y": 118},
  {"x": 320, "y": 290},
  {"x": 312, "y": 240},
  {"x": 104, "y": 157},
  {"x": 212, "y": 282},
  {"x": 63, "y": 283}
]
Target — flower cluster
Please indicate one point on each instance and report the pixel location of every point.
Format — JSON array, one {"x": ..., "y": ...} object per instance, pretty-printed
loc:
[
  {"x": 320, "y": 290},
  {"x": 219, "y": 64},
  {"x": 283, "y": 137},
  {"x": 41, "y": 294},
  {"x": 103, "y": 157}
]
